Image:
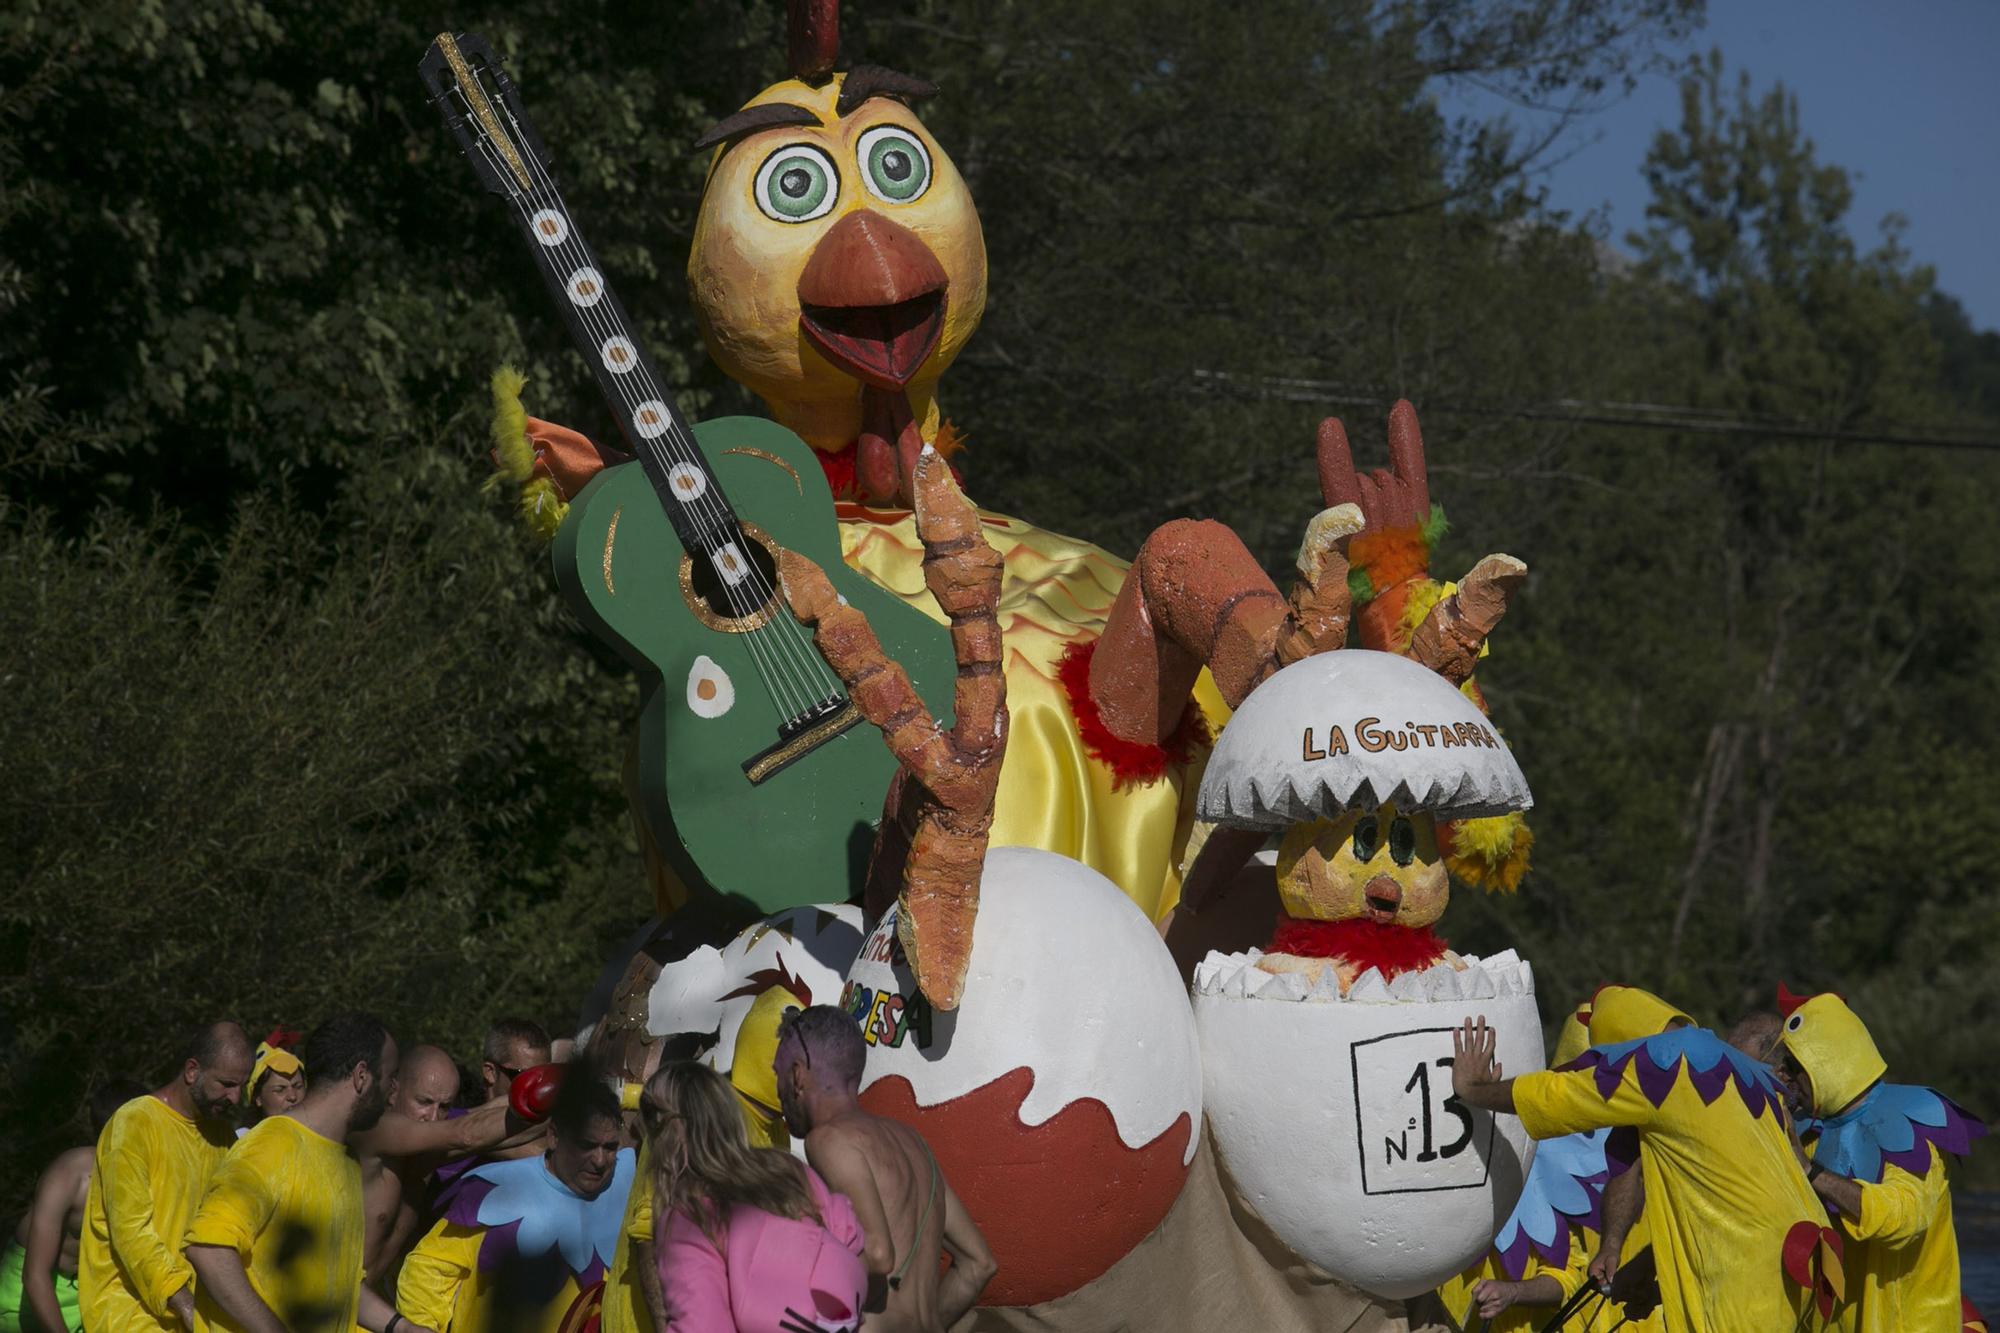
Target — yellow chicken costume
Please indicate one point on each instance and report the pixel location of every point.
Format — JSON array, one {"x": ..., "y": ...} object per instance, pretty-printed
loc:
[
  {"x": 1724, "y": 1193},
  {"x": 153, "y": 1165},
  {"x": 1894, "y": 1142},
  {"x": 515, "y": 1249},
  {"x": 1553, "y": 1231}
]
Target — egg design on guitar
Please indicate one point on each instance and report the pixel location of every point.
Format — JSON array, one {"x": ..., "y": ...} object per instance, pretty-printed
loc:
[{"x": 1064, "y": 1094}]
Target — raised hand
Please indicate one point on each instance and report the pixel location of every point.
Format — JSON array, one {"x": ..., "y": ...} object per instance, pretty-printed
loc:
[
  {"x": 1398, "y": 496},
  {"x": 948, "y": 812}
]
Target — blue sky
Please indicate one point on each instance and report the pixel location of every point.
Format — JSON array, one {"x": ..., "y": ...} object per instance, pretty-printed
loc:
[{"x": 1904, "y": 96}]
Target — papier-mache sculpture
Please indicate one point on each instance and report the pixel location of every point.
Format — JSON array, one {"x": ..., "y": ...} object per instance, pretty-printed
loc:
[{"x": 1049, "y": 718}]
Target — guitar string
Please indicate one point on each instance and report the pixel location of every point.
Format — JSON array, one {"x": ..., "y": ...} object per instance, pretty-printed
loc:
[
  {"x": 808, "y": 671},
  {"x": 771, "y": 661}
]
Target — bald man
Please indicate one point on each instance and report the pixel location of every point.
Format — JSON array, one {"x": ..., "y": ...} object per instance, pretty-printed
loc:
[
  {"x": 399, "y": 1154},
  {"x": 154, "y": 1162}
]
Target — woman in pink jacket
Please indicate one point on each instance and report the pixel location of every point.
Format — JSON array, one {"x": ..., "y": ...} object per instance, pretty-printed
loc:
[{"x": 751, "y": 1239}]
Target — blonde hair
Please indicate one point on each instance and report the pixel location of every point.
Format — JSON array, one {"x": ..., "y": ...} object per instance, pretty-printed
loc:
[{"x": 703, "y": 1164}]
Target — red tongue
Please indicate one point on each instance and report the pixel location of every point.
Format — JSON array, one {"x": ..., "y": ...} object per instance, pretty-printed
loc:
[{"x": 885, "y": 453}]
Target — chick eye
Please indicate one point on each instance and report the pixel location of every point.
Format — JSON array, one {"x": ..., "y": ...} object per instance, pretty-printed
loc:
[
  {"x": 1795, "y": 1022},
  {"x": 1367, "y": 839},
  {"x": 796, "y": 184},
  {"x": 894, "y": 166},
  {"x": 1402, "y": 841}
]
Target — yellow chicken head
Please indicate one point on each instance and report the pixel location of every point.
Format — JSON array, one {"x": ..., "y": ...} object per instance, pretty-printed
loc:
[
  {"x": 838, "y": 265},
  {"x": 1376, "y": 865}
]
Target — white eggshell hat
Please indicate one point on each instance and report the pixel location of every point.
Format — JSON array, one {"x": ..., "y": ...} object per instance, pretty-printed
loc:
[{"x": 1358, "y": 728}]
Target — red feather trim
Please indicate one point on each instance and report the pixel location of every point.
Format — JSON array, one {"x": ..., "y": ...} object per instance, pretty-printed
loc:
[
  {"x": 1129, "y": 761},
  {"x": 839, "y": 469},
  {"x": 1393, "y": 949}
]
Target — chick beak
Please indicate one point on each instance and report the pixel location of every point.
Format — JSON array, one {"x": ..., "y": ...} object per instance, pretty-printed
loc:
[
  {"x": 872, "y": 299},
  {"x": 1382, "y": 898}
]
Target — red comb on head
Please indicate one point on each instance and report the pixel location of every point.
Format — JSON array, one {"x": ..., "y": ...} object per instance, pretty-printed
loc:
[
  {"x": 284, "y": 1036},
  {"x": 1788, "y": 1001},
  {"x": 812, "y": 33}
]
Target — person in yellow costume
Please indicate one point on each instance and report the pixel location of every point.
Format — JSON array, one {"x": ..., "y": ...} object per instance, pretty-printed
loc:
[
  {"x": 1880, "y": 1161},
  {"x": 153, "y": 1163},
  {"x": 1723, "y": 1187},
  {"x": 1539, "y": 1260},
  {"x": 277, "y": 1242},
  {"x": 527, "y": 1244},
  {"x": 631, "y": 1287}
]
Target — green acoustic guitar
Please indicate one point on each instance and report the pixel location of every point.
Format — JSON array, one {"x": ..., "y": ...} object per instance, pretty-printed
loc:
[{"x": 758, "y": 785}]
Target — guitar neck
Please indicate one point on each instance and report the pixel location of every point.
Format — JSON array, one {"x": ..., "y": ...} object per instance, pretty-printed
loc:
[
  {"x": 509, "y": 157},
  {"x": 627, "y": 375}
]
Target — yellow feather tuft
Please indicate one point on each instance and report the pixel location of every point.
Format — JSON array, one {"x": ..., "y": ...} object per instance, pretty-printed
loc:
[
  {"x": 542, "y": 508},
  {"x": 1491, "y": 854},
  {"x": 1424, "y": 594},
  {"x": 513, "y": 455}
]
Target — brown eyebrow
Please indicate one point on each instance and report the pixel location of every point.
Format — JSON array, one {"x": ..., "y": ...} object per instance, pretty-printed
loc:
[
  {"x": 753, "y": 118},
  {"x": 866, "y": 81}
]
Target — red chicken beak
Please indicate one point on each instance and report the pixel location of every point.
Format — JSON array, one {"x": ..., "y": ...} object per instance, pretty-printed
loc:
[
  {"x": 1381, "y": 898},
  {"x": 872, "y": 299}
]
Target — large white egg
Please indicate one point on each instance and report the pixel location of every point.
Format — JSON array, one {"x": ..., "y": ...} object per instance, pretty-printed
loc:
[
  {"x": 1063, "y": 1096},
  {"x": 1335, "y": 1117}
]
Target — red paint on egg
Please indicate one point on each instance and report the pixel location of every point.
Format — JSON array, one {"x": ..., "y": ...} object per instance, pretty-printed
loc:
[{"x": 1059, "y": 1203}]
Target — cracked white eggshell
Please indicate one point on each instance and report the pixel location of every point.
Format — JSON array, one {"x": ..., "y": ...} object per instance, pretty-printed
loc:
[
  {"x": 1261, "y": 773},
  {"x": 1311, "y": 1105}
]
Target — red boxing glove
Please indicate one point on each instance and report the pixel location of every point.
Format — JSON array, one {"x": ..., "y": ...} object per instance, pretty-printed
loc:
[{"x": 534, "y": 1092}]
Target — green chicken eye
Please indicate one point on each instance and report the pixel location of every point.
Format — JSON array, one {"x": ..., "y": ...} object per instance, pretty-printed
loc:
[
  {"x": 1402, "y": 842},
  {"x": 797, "y": 184},
  {"x": 1367, "y": 839},
  {"x": 894, "y": 165}
]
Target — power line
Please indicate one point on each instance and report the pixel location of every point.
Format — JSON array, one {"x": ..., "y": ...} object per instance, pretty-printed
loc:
[{"x": 1585, "y": 412}]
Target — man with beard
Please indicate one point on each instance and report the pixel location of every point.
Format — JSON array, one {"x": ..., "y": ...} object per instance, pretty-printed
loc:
[
  {"x": 907, "y": 1211},
  {"x": 154, "y": 1161},
  {"x": 277, "y": 1241}
]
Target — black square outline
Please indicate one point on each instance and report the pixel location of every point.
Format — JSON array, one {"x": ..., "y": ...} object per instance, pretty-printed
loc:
[{"x": 1361, "y": 1150}]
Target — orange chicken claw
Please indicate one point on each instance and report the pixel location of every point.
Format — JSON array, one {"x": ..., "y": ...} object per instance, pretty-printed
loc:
[{"x": 945, "y": 801}]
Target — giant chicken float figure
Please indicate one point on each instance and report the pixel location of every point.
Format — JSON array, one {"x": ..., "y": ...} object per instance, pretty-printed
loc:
[{"x": 837, "y": 269}]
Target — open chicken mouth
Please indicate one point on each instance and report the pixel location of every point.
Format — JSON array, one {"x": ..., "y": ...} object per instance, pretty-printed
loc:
[
  {"x": 1383, "y": 900},
  {"x": 880, "y": 345}
]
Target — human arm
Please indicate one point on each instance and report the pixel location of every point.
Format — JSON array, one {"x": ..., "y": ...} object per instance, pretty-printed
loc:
[
  {"x": 443, "y": 1261},
  {"x": 1491, "y": 1296},
  {"x": 972, "y": 1264},
  {"x": 1476, "y": 1077},
  {"x": 1624, "y": 1200},
  {"x": 160, "y": 1275},
  {"x": 1895, "y": 1211},
  {"x": 377, "y": 1315},
  {"x": 489, "y": 1127},
  {"x": 223, "y": 1281},
  {"x": 55, "y": 1193}
]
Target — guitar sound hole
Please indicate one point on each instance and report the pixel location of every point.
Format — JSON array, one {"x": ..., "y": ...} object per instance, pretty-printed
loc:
[{"x": 747, "y": 605}]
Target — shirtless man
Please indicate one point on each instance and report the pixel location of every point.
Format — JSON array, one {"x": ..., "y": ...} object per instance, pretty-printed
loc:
[
  {"x": 885, "y": 1169},
  {"x": 398, "y": 1155},
  {"x": 512, "y": 1045},
  {"x": 46, "y": 1240}
]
